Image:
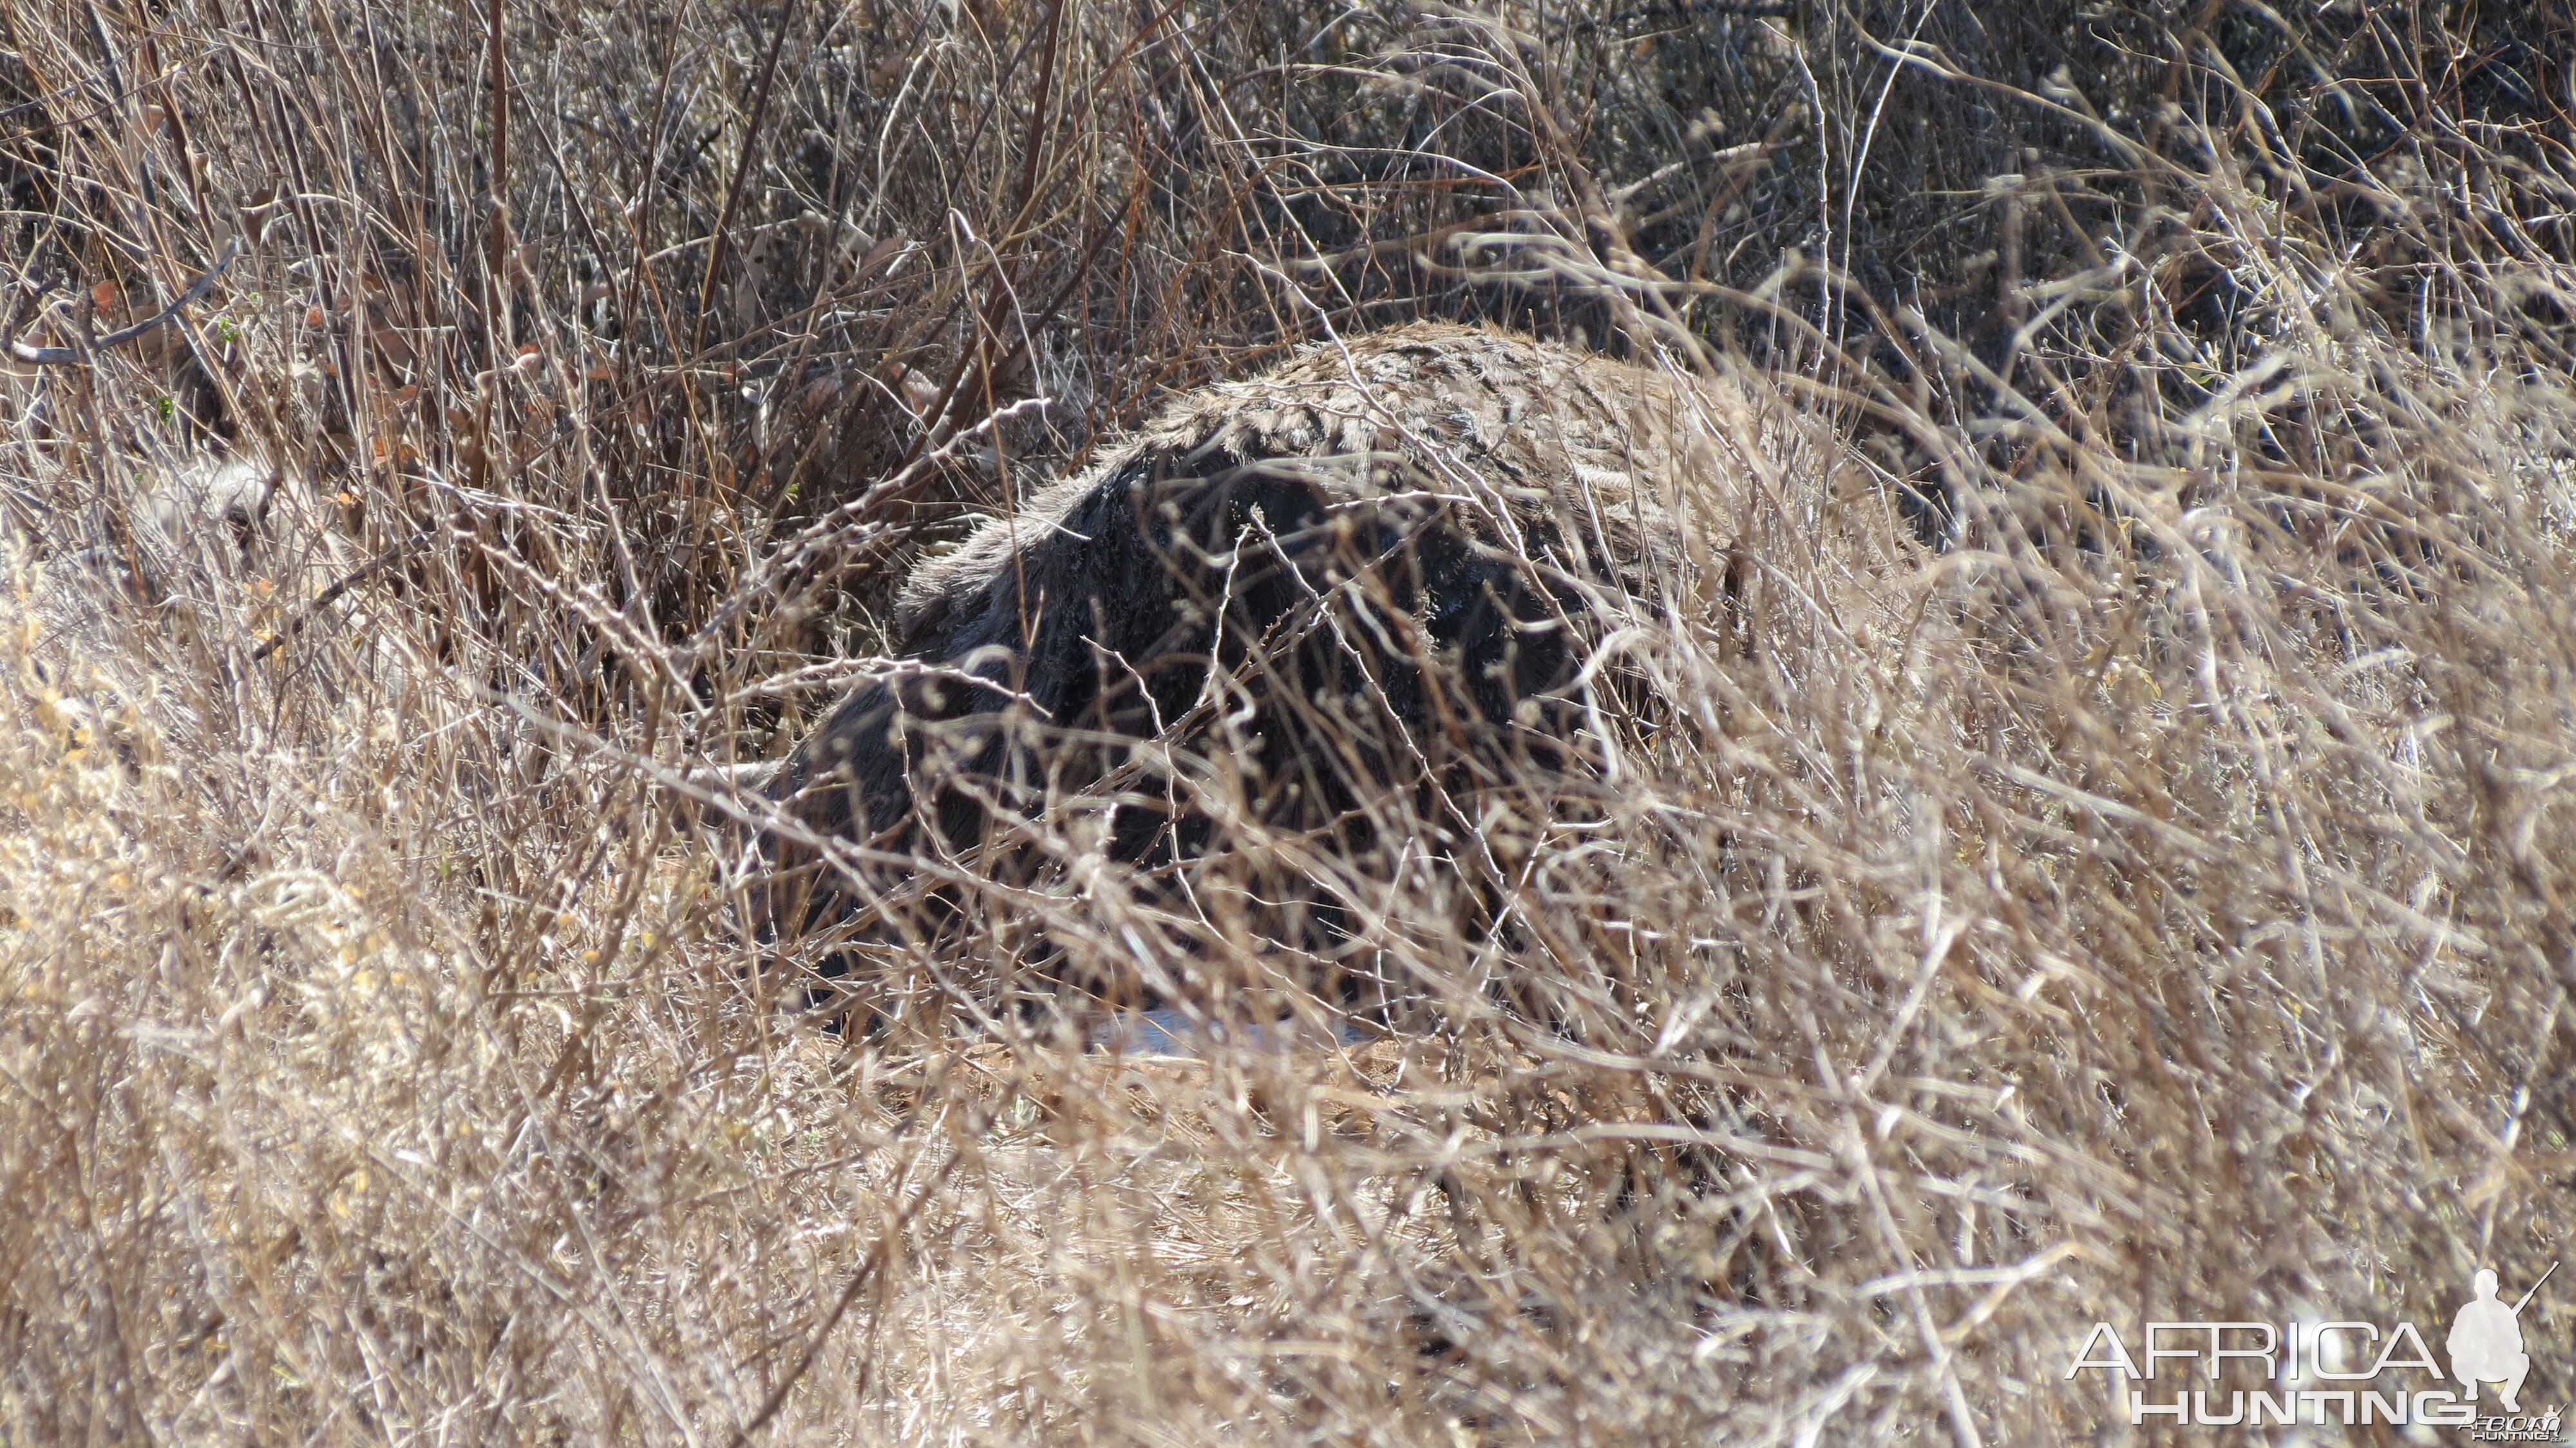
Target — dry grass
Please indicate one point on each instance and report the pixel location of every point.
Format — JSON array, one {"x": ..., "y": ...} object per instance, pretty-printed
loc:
[{"x": 2153, "y": 902}]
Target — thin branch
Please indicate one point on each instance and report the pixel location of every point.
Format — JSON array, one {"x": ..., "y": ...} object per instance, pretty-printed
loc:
[
  {"x": 63, "y": 356},
  {"x": 741, "y": 172},
  {"x": 331, "y": 595}
]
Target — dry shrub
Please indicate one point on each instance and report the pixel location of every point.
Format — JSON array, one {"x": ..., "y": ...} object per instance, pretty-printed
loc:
[{"x": 2152, "y": 903}]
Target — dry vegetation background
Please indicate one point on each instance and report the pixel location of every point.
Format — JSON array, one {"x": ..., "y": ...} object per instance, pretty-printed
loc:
[{"x": 2163, "y": 906}]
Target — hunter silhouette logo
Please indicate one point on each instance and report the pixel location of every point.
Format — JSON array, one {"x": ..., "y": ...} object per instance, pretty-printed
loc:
[{"x": 2486, "y": 1341}]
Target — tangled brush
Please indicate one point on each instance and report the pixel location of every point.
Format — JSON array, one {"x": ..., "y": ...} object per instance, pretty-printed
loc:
[{"x": 1794, "y": 998}]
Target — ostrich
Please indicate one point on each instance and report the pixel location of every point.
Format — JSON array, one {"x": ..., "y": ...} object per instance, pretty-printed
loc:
[{"x": 1350, "y": 608}]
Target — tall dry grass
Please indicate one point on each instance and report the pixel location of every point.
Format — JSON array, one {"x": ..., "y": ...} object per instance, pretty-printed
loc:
[{"x": 2154, "y": 905}]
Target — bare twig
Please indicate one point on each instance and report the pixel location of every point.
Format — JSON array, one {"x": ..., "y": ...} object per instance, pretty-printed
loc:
[
  {"x": 59, "y": 356},
  {"x": 332, "y": 594},
  {"x": 751, "y": 134}
]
